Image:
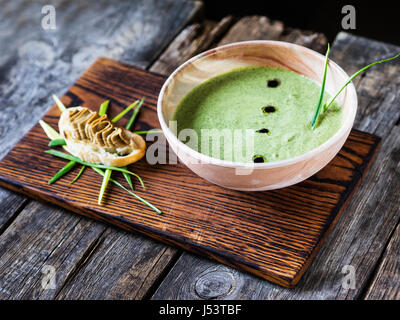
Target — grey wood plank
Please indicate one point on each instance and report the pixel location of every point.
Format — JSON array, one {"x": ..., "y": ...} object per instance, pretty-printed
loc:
[
  {"x": 192, "y": 40},
  {"x": 36, "y": 63},
  {"x": 262, "y": 28},
  {"x": 313, "y": 40},
  {"x": 10, "y": 205},
  {"x": 378, "y": 88},
  {"x": 42, "y": 237},
  {"x": 386, "y": 281},
  {"x": 254, "y": 28},
  {"x": 125, "y": 266},
  {"x": 364, "y": 228}
]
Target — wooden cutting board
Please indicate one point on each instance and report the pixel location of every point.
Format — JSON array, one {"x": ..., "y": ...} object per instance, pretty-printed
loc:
[{"x": 273, "y": 234}]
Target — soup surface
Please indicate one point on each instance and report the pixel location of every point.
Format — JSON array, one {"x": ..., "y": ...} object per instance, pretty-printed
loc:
[{"x": 255, "y": 114}]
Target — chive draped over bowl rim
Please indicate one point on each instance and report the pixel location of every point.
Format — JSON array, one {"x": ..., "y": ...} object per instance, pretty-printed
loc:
[{"x": 320, "y": 109}]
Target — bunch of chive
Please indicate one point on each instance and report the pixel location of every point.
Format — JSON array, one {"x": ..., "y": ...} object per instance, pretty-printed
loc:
[
  {"x": 56, "y": 140},
  {"x": 321, "y": 109}
]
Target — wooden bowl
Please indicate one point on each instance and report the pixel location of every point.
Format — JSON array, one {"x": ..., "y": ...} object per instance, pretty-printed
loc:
[{"x": 258, "y": 176}]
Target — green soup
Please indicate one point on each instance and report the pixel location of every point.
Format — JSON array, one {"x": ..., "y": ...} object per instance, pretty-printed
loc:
[{"x": 272, "y": 107}]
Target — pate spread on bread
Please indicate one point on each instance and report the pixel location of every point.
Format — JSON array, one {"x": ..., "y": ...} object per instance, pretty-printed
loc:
[{"x": 96, "y": 139}]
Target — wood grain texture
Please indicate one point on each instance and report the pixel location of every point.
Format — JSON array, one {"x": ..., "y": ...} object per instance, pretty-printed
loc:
[
  {"x": 254, "y": 28},
  {"x": 42, "y": 62},
  {"x": 361, "y": 234},
  {"x": 64, "y": 239},
  {"x": 386, "y": 281},
  {"x": 262, "y": 28},
  {"x": 192, "y": 40},
  {"x": 271, "y": 238},
  {"x": 127, "y": 279},
  {"x": 10, "y": 205}
]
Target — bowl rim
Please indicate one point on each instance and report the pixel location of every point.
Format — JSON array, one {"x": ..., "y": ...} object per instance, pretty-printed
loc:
[{"x": 205, "y": 159}]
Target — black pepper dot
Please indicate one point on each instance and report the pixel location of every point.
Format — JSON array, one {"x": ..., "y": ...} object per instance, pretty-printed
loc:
[
  {"x": 273, "y": 83},
  {"x": 259, "y": 159},
  {"x": 268, "y": 109},
  {"x": 263, "y": 130}
]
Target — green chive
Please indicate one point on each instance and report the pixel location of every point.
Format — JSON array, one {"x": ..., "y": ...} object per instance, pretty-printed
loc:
[
  {"x": 321, "y": 96},
  {"x": 140, "y": 180},
  {"x": 128, "y": 126},
  {"x": 134, "y": 115},
  {"x": 148, "y": 131},
  {"x": 62, "y": 172},
  {"x": 128, "y": 178},
  {"x": 355, "y": 75},
  {"x": 50, "y": 132},
  {"x": 57, "y": 143},
  {"x": 78, "y": 175},
  {"x": 101, "y": 172},
  {"x": 125, "y": 111},
  {"x": 104, "y": 184},
  {"x": 53, "y": 135},
  {"x": 104, "y": 107},
  {"x": 59, "y": 103},
  {"x": 73, "y": 158},
  {"x": 103, "y": 110}
]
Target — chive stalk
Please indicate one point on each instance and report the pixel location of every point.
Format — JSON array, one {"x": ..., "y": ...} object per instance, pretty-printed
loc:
[
  {"x": 321, "y": 95},
  {"x": 326, "y": 106},
  {"x": 134, "y": 115},
  {"x": 140, "y": 180},
  {"x": 49, "y": 131},
  {"x": 78, "y": 175},
  {"x": 78, "y": 160},
  {"x": 104, "y": 107},
  {"x": 59, "y": 103},
  {"x": 128, "y": 127},
  {"x": 101, "y": 172},
  {"x": 148, "y": 131},
  {"x": 68, "y": 167},
  {"x": 103, "y": 110},
  {"x": 104, "y": 184},
  {"x": 125, "y": 111},
  {"x": 57, "y": 143},
  {"x": 128, "y": 178}
]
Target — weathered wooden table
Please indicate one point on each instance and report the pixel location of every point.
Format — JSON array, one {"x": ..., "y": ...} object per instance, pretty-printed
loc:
[{"x": 96, "y": 261}]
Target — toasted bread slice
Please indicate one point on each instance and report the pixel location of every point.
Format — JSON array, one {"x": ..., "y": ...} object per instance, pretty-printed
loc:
[{"x": 96, "y": 139}]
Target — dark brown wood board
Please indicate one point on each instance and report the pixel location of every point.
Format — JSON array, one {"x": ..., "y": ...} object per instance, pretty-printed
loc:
[{"x": 273, "y": 234}]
